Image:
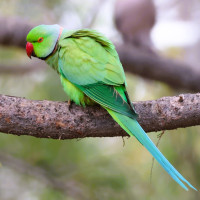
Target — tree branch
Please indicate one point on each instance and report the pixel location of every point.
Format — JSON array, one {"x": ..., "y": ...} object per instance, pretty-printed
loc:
[
  {"x": 174, "y": 73},
  {"x": 13, "y": 31},
  {"x": 48, "y": 119}
]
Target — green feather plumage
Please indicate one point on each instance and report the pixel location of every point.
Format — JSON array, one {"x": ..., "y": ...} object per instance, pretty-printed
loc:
[{"x": 90, "y": 71}]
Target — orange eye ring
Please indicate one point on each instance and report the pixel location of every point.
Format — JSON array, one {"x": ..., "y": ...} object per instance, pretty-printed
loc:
[{"x": 40, "y": 39}]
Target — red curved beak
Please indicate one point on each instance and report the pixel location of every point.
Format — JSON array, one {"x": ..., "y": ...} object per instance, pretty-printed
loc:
[{"x": 29, "y": 49}]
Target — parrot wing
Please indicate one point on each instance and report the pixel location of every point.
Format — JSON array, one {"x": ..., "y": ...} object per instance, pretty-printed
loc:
[{"x": 90, "y": 62}]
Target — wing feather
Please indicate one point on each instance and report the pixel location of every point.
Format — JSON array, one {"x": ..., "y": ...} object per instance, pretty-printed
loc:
[{"x": 90, "y": 62}]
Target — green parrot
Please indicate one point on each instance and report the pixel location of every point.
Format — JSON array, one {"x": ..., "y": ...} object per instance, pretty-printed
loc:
[{"x": 91, "y": 72}]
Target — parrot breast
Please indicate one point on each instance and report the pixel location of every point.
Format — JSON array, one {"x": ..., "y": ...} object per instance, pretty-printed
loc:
[{"x": 75, "y": 94}]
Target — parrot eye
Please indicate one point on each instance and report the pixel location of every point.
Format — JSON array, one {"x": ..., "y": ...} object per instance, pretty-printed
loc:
[{"x": 40, "y": 39}]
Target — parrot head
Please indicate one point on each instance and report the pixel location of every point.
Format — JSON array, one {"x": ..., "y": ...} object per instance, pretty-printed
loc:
[{"x": 42, "y": 40}]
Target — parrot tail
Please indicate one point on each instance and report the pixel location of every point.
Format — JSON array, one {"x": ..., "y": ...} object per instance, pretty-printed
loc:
[{"x": 133, "y": 128}]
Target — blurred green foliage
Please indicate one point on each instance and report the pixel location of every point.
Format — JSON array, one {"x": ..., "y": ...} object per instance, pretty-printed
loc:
[{"x": 94, "y": 168}]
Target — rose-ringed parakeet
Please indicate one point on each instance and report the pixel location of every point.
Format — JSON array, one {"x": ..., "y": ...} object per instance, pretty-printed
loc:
[{"x": 91, "y": 72}]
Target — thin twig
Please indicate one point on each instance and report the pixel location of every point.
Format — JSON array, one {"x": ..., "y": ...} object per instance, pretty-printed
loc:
[{"x": 153, "y": 159}]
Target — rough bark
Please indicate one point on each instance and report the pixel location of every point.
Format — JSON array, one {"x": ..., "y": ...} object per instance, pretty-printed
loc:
[
  {"x": 176, "y": 74},
  {"x": 48, "y": 119}
]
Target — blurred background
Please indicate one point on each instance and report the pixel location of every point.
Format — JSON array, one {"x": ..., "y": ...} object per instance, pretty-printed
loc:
[{"x": 159, "y": 45}]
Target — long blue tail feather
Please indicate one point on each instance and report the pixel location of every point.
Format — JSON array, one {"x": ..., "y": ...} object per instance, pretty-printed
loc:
[{"x": 133, "y": 128}]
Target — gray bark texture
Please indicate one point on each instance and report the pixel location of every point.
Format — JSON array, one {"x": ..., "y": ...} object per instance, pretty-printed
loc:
[
  {"x": 57, "y": 120},
  {"x": 13, "y": 31}
]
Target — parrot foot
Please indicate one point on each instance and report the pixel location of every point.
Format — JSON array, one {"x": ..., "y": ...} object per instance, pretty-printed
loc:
[{"x": 69, "y": 103}]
